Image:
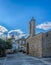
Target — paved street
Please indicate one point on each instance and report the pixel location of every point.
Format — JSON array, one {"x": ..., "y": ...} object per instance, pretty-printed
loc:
[{"x": 23, "y": 59}]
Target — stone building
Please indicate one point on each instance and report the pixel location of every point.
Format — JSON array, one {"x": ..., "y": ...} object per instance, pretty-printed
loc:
[
  {"x": 22, "y": 43},
  {"x": 38, "y": 45}
]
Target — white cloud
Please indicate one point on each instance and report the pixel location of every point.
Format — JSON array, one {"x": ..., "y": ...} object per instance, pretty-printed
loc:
[
  {"x": 2, "y": 30},
  {"x": 1, "y": 33},
  {"x": 44, "y": 26},
  {"x": 21, "y": 33},
  {"x": 18, "y": 30}
]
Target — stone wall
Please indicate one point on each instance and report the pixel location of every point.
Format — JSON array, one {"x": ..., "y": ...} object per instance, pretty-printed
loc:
[
  {"x": 38, "y": 45},
  {"x": 35, "y": 45},
  {"x": 47, "y": 44}
]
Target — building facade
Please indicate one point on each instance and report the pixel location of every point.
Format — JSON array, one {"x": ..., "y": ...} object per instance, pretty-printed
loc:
[
  {"x": 21, "y": 43},
  {"x": 38, "y": 45}
]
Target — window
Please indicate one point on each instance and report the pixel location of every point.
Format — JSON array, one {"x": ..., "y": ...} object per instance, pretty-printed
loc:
[
  {"x": 20, "y": 41},
  {"x": 47, "y": 35},
  {"x": 23, "y": 42}
]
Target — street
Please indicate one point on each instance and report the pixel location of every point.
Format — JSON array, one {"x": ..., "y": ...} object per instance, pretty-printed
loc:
[{"x": 23, "y": 59}]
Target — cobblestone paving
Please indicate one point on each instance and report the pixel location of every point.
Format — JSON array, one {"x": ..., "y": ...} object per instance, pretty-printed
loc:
[{"x": 22, "y": 59}]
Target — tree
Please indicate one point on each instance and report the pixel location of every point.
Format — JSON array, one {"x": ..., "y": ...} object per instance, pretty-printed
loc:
[
  {"x": 2, "y": 48},
  {"x": 8, "y": 42}
]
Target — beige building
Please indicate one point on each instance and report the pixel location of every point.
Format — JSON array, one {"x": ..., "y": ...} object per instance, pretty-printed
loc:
[
  {"x": 38, "y": 45},
  {"x": 22, "y": 43}
]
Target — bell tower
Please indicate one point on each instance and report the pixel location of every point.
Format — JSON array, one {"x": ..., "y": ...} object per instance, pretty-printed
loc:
[{"x": 32, "y": 27}]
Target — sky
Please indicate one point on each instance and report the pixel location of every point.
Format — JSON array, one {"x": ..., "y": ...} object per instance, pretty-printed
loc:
[{"x": 16, "y": 15}]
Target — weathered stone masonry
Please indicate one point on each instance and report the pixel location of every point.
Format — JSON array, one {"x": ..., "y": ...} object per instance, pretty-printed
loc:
[{"x": 38, "y": 45}]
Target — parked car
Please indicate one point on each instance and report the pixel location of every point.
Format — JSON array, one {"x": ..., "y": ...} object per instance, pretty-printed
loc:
[
  {"x": 10, "y": 51},
  {"x": 22, "y": 49}
]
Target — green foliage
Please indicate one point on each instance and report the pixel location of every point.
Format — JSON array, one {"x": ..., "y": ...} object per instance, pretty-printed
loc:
[
  {"x": 2, "y": 44},
  {"x": 8, "y": 42},
  {"x": 3, "y": 47}
]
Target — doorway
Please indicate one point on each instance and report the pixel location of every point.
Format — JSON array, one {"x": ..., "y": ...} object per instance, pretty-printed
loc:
[{"x": 27, "y": 48}]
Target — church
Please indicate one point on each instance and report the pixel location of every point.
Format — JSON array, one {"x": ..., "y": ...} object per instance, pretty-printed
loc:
[{"x": 38, "y": 45}]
